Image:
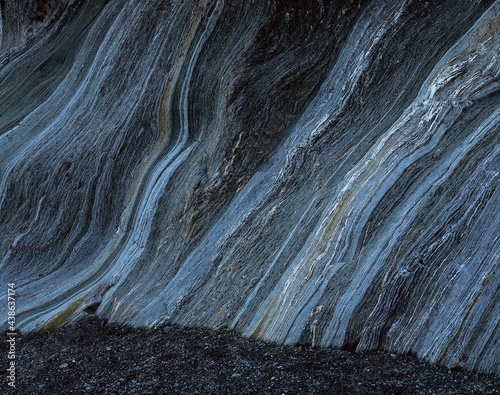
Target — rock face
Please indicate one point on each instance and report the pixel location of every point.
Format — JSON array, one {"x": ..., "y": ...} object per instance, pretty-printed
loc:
[{"x": 300, "y": 171}]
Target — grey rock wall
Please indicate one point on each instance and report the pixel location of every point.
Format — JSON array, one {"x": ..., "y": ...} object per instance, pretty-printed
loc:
[{"x": 320, "y": 172}]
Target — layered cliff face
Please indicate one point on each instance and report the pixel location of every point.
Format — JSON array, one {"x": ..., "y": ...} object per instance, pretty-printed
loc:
[{"x": 302, "y": 172}]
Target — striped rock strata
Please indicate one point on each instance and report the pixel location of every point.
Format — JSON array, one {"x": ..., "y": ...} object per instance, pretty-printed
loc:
[{"x": 301, "y": 172}]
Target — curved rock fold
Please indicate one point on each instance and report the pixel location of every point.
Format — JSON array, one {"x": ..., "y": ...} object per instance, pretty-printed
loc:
[{"x": 301, "y": 172}]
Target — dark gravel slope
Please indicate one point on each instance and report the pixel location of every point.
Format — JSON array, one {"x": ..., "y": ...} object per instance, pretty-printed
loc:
[{"x": 92, "y": 357}]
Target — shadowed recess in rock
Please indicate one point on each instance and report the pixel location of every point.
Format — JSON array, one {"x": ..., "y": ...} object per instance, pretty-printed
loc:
[{"x": 315, "y": 172}]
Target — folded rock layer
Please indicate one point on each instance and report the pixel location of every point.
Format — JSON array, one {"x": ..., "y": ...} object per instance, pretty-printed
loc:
[{"x": 299, "y": 171}]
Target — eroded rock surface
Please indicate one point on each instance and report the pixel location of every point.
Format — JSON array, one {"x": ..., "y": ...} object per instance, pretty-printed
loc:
[{"x": 301, "y": 172}]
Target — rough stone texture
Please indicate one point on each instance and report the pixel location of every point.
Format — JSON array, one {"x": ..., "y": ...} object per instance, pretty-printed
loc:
[
  {"x": 171, "y": 360},
  {"x": 299, "y": 171}
]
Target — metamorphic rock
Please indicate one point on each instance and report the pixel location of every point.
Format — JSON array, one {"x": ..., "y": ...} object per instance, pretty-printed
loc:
[{"x": 302, "y": 172}]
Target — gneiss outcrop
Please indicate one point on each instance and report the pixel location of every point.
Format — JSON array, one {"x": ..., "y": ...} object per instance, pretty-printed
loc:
[{"x": 319, "y": 172}]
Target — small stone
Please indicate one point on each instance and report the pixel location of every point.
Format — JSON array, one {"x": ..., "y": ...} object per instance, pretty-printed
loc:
[
  {"x": 236, "y": 375},
  {"x": 108, "y": 348},
  {"x": 63, "y": 365}
]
